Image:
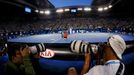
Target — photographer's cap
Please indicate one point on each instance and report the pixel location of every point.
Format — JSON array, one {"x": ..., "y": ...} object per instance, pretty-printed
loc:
[{"x": 118, "y": 44}]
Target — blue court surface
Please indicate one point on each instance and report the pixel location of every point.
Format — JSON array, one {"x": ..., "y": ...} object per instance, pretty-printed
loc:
[{"x": 57, "y": 38}]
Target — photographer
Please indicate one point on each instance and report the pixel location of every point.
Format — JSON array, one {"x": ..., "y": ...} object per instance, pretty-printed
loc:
[
  {"x": 20, "y": 63},
  {"x": 112, "y": 64}
]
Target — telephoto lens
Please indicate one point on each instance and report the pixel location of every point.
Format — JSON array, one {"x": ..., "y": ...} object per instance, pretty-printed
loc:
[
  {"x": 37, "y": 48},
  {"x": 79, "y": 46}
]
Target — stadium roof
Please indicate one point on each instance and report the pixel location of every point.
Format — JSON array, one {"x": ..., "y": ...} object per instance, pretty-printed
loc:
[{"x": 40, "y": 4}]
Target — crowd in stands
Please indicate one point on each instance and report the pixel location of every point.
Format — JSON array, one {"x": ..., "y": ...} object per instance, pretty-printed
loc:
[
  {"x": 91, "y": 23},
  {"x": 125, "y": 25}
]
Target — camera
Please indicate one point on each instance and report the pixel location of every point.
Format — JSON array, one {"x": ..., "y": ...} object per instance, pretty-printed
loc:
[
  {"x": 36, "y": 48},
  {"x": 95, "y": 50},
  {"x": 80, "y": 46}
]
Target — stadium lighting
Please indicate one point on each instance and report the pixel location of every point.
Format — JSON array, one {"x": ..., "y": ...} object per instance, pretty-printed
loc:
[
  {"x": 67, "y": 9},
  {"x": 105, "y": 8},
  {"x": 47, "y": 12},
  {"x": 79, "y": 8},
  {"x": 110, "y": 6},
  {"x": 73, "y": 10},
  {"x": 100, "y": 9},
  {"x": 36, "y": 11},
  {"x": 41, "y": 12},
  {"x": 87, "y": 9},
  {"x": 1, "y": 34},
  {"x": 59, "y": 10},
  {"x": 11, "y": 33}
]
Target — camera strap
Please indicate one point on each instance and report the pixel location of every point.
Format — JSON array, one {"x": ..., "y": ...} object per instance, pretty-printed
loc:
[
  {"x": 92, "y": 56},
  {"x": 100, "y": 53},
  {"x": 120, "y": 69}
]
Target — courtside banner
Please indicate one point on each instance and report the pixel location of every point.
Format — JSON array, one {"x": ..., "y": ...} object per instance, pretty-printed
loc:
[{"x": 47, "y": 54}]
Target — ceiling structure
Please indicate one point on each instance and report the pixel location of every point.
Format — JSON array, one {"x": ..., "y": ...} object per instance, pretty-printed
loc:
[{"x": 36, "y": 4}]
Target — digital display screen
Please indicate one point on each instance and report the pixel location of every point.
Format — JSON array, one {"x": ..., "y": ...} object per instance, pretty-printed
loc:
[{"x": 27, "y": 9}]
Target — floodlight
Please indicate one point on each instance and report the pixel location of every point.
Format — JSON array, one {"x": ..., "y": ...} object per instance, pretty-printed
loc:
[
  {"x": 59, "y": 10},
  {"x": 73, "y": 10},
  {"x": 47, "y": 12},
  {"x": 100, "y": 9},
  {"x": 79, "y": 8},
  {"x": 87, "y": 9},
  {"x": 41, "y": 12},
  {"x": 36, "y": 11},
  {"x": 105, "y": 8},
  {"x": 110, "y": 6},
  {"x": 67, "y": 9}
]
